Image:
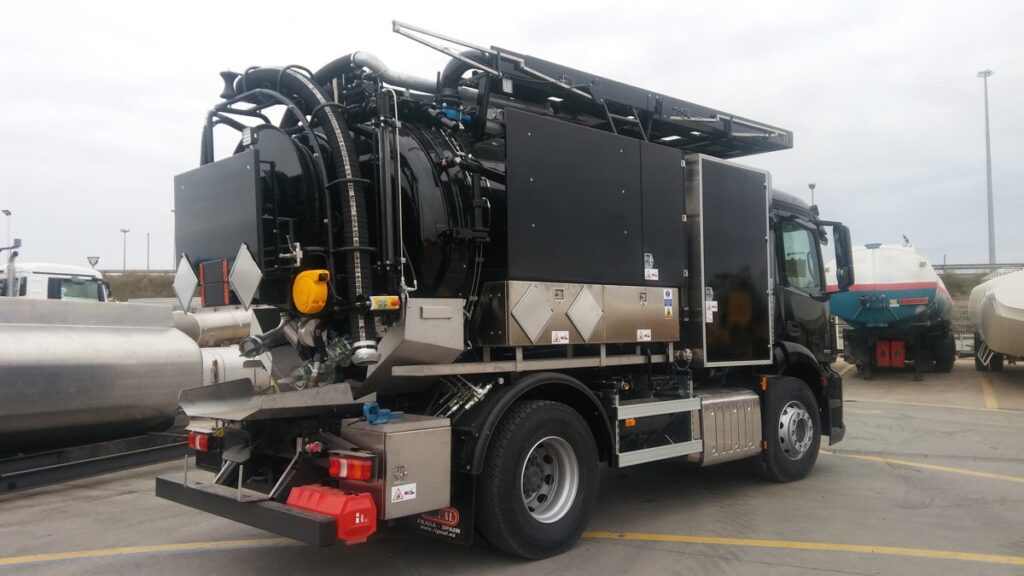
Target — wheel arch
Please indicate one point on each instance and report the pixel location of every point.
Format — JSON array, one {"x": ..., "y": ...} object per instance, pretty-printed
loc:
[
  {"x": 473, "y": 430},
  {"x": 795, "y": 360}
]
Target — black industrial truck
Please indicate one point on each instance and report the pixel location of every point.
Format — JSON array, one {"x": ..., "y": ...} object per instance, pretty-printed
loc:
[{"x": 486, "y": 284}]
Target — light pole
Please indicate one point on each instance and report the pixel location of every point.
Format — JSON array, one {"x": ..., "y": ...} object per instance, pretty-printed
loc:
[
  {"x": 984, "y": 74},
  {"x": 7, "y": 213},
  {"x": 147, "y": 251},
  {"x": 124, "y": 249},
  {"x": 812, "y": 186},
  {"x": 174, "y": 242}
]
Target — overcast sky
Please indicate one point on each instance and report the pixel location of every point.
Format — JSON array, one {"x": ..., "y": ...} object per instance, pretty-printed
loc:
[{"x": 103, "y": 102}]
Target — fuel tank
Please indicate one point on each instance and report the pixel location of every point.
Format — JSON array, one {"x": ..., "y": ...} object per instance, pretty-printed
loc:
[
  {"x": 895, "y": 287},
  {"x": 78, "y": 372},
  {"x": 214, "y": 327}
]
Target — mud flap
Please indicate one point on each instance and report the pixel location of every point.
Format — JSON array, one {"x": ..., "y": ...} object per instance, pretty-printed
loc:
[
  {"x": 834, "y": 393},
  {"x": 454, "y": 523}
]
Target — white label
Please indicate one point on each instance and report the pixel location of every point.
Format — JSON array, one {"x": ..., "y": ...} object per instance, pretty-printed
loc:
[
  {"x": 713, "y": 305},
  {"x": 709, "y": 316},
  {"x": 559, "y": 336},
  {"x": 648, "y": 260},
  {"x": 650, "y": 273},
  {"x": 643, "y": 335},
  {"x": 403, "y": 492}
]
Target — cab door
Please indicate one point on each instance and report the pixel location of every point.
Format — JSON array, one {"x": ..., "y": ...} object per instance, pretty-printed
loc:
[{"x": 802, "y": 284}]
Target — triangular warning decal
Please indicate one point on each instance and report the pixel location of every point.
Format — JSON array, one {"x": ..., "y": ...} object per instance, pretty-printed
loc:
[{"x": 397, "y": 495}]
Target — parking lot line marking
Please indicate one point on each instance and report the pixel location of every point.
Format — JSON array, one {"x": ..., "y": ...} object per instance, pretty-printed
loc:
[
  {"x": 934, "y": 467},
  {"x": 804, "y": 545},
  {"x": 127, "y": 550},
  {"x": 931, "y": 405},
  {"x": 990, "y": 395}
]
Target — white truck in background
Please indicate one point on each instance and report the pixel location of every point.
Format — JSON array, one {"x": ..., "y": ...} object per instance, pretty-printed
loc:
[{"x": 44, "y": 281}]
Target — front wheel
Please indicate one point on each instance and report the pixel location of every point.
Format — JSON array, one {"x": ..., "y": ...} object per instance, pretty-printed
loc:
[
  {"x": 793, "y": 431},
  {"x": 540, "y": 480}
]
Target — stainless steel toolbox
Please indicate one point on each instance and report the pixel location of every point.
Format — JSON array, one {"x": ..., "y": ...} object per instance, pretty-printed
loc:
[{"x": 415, "y": 475}]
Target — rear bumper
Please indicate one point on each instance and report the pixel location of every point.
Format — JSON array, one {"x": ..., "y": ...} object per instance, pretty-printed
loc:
[{"x": 308, "y": 527}]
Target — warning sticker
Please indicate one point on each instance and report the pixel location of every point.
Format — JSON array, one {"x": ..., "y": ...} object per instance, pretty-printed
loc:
[
  {"x": 403, "y": 492},
  {"x": 712, "y": 305},
  {"x": 668, "y": 296},
  {"x": 643, "y": 335},
  {"x": 668, "y": 312},
  {"x": 709, "y": 316},
  {"x": 648, "y": 260},
  {"x": 650, "y": 273},
  {"x": 559, "y": 336}
]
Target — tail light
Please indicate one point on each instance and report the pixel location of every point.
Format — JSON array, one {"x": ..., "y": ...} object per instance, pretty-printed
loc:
[
  {"x": 913, "y": 301},
  {"x": 349, "y": 467},
  {"x": 199, "y": 442}
]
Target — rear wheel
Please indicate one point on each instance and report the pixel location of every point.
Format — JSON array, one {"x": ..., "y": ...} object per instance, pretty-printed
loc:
[
  {"x": 540, "y": 480},
  {"x": 944, "y": 352},
  {"x": 793, "y": 431}
]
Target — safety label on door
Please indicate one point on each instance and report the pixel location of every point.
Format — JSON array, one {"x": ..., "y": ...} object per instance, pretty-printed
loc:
[
  {"x": 559, "y": 336},
  {"x": 650, "y": 273},
  {"x": 643, "y": 335},
  {"x": 403, "y": 492}
]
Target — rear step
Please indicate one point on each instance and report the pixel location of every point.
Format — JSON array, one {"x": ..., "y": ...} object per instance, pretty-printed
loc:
[
  {"x": 309, "y": 527},
  {"x": 720, "y": 425}
]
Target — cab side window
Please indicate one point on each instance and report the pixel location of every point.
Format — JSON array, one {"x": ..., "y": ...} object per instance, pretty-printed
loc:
[{"x": 802, "y": 268}]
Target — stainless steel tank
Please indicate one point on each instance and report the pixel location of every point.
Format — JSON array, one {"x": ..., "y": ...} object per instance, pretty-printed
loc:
[
  {"x": 215, "y": 326},
  {"x": 79, "y": 372},
  {"x": 225, "y": 363}
]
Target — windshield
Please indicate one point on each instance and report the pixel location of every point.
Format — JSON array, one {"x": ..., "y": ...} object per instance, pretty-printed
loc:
[{"x": 75, "y": 289}]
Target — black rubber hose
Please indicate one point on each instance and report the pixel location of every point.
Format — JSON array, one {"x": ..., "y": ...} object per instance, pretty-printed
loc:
[
  {"x": 344, "y": 187},
  {"x": 448, "y": 85}
]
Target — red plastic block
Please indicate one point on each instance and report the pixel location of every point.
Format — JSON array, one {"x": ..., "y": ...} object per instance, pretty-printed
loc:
[
  {"x": 883, "y": 356},
  {"x": 897, "y": 353},
  {"x": 355, "y": 514}
]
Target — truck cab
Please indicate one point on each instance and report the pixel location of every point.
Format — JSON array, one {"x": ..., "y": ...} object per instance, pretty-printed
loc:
[
  {"x": 802, "y": 308},
  {"x": 44, "y": 281},
  {"x": 803, "y": 329}
]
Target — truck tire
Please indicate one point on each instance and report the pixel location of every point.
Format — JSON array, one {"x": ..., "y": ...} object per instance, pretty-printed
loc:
[
  {"x": 996, "y": 363},
  {"x": 540, "y": 480},
  {"x": 944, "y": 352},
  {"x": 793, "y": 431}
]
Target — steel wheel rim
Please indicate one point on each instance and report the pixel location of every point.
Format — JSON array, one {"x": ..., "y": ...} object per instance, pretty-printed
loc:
[
  {"x": 796, "y": 430},
  {"x": 549, "y": 479}
]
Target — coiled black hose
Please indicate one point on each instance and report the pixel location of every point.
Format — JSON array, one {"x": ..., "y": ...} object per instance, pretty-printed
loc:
[{"x": 342, "y": 185}]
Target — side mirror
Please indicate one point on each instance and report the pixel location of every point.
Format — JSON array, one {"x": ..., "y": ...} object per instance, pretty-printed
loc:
[{"x": 844, "y": 257}]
